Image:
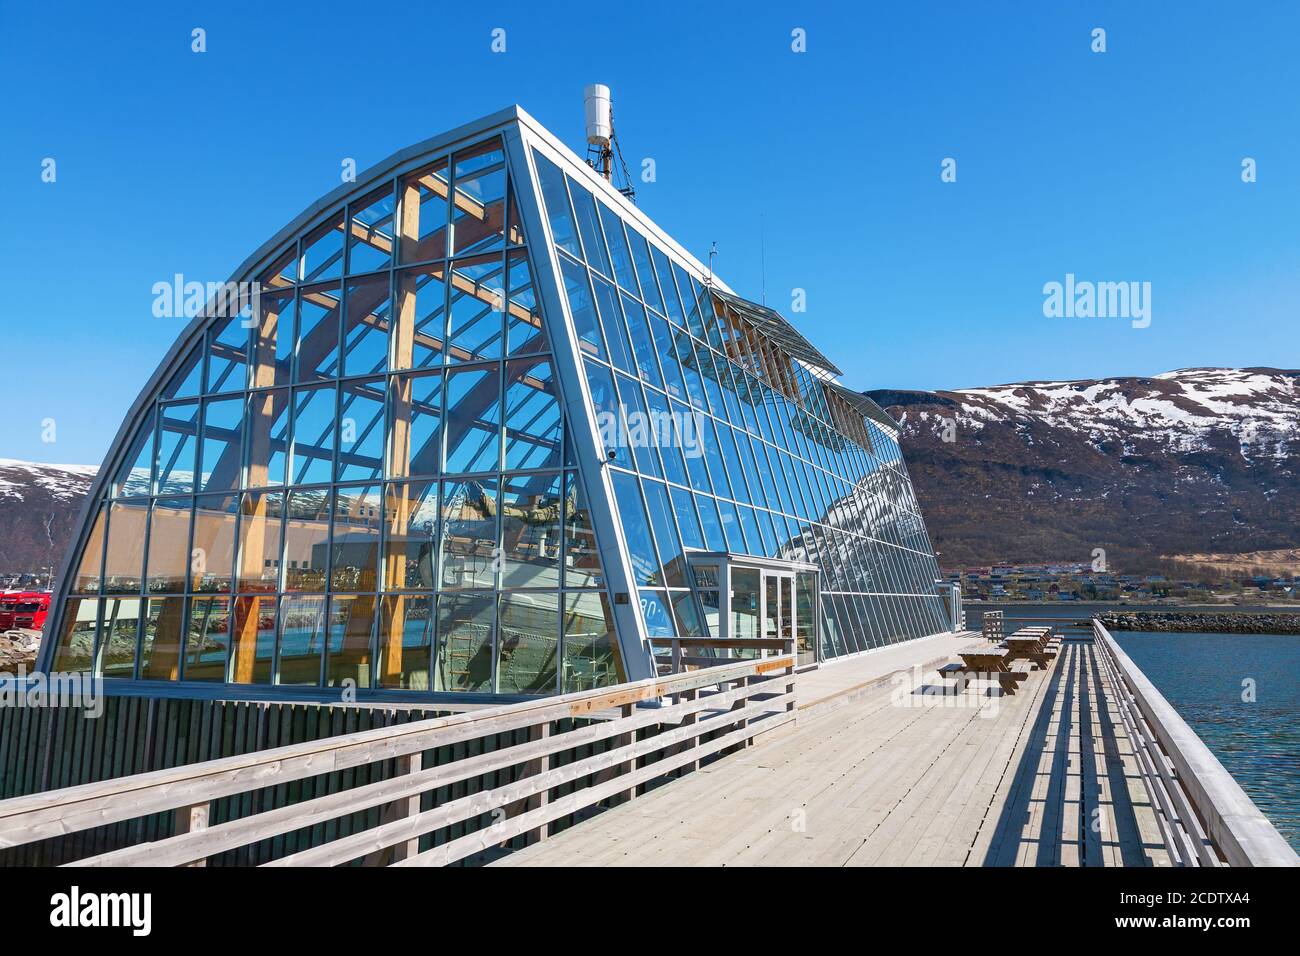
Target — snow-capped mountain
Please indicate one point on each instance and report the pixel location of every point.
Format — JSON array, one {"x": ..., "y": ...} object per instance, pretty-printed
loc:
[
  {"x": 39, "y": 505},
  {"x": 1191, "y": 461}
]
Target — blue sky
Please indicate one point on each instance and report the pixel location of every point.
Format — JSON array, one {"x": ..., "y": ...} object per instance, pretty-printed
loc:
[{"x": 1115, "y": 166}]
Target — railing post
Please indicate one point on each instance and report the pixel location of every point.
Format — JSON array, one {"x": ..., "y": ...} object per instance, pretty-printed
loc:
[
  {"x": 191, "y": 819},
  {"x": 539, "y": 800},
  {"x": 625, "y": 740},
  {"x": 692, "y": 742}
]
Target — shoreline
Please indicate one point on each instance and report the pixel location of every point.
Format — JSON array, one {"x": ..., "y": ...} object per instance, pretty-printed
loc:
[{"x": 1212, "y": 622}]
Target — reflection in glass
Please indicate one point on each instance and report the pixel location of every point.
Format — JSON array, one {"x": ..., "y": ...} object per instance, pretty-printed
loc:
[
  {"x": 465, "y": 626},
  {"x": 528, "y": 643},
  {"x": 405, "y": 641},
  {"x": 208, "y": 639}
]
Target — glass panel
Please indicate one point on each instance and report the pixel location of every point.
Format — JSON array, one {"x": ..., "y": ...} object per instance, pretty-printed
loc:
[
  {"x": 125, "y": 553},
  {"x": 370, "y": 231},
  {"x": 473, "y": 419},
  {"x": 745, "y": 585},
  {"x": 405, "y": 641},
  {"x": 354, "y": 553},
  {"x": 228, "y": 355},
  {"x": 658, "y": 615},
  {"x": 313, "y": 435},
  {"x": 687, "y": 521},
  {"x": 208, "y": 639},
  {"x": 366, "y": 316},
  {"x": 643, "y": 346},
  {"x": 528, "y": 643},
  {"x": 530, "y": 531},
  {"x": 582, "y": 568},
  {"x": 666, "y": 437},
  {"x": 222, "y": 446},
  {"x": 556, "y": 200},
  {"x": 593, "y": 244},
  {"x": 187, "y": 381},
  {"x": 640, "y": 430},
  {"x": 177, "y": 444},
  {"x": 665, "y": 273},
  {"x": 421, "y": 317},
  {"x": 590, "y": 647},
  {"x": 618, "y": 249},
  {"x": 302, "y": 639},
  {"x": 415, "y": 433},
  {"x": 477, "y": 324},
  {"x": 611, "y": 320},
  {"x": 134, "y": 476},
  {"x": 267, "y": 426},
  {"x": 260, "y": 538},
  {"x": 713, "y": 536},
  {"x": 423, "y": 217},
  {"x": 525, "y": 332},
  {"x": 663, "y": 342},
  {"x": 707, "y": 585},
  {"x": 469, "y": 534},
  {"x": 352, "y": 631},
  {"x": 76, "y": 649},
  {"x": 465, "y": 625},
  {"x": 577, "y": 289},
  {"x": 318, "y": 333},
  {"x": 688, "y": 614},
  {"x": 160, "y": 647},
  {"x": 361, "y": 430},
  {"x": 411, "y": 514},
  {"x": 273, "y": 341},
  {"x": 636, "y": 529},
  {"x": 533, "y": 418},
  {"x": 322, "y": 252},
  {"x": 306, "y": 540},
  {"x": 253, "y": 656},
  {"x": 121, "y": 627},
  {"x": 89, "y": 570},
  {"x": 212, "y": 551},
  {"x": 479, "y": 209},
  {"x": 669, "y": 545},
  {"x": 641, "y": 256}
]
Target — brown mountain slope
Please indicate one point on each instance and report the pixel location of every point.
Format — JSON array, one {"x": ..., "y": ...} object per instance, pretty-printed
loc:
[{"x": 1198, "y": 460}]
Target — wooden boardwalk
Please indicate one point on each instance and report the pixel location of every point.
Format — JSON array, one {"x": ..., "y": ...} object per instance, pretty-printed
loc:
[{"x": 899, "y": 776}]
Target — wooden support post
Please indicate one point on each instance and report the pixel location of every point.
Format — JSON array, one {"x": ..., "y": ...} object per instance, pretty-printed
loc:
[
  {"x": 537, "y": 801},
  {"x": 408, "y": 807},
  {"x": 693, "y": 742},
  {"x": 625, "y": 740},
  {"x": 191, "y": 819}
]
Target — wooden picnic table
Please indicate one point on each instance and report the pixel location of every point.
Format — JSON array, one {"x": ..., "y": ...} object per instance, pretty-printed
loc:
[{"x": 1028, "y": 647}]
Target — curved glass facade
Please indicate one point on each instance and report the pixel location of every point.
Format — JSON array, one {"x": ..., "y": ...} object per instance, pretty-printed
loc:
[{"x": 371, "y": 476}]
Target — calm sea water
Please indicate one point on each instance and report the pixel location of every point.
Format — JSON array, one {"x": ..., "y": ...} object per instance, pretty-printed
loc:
[{"x": 1258, "y": 742}]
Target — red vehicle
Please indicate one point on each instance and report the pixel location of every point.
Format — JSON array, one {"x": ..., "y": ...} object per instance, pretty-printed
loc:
[{"x": 24, "y": 609}]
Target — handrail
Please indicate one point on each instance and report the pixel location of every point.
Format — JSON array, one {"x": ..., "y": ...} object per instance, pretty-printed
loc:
[
  {"x": 695, "y": 715},
  {"x": 1206, "y": 818}
]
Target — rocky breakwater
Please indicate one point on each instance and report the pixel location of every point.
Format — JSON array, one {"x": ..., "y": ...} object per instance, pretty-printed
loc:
[
  {"x": 18, "y": 648},
  {"x": 1213, "y": 622}
]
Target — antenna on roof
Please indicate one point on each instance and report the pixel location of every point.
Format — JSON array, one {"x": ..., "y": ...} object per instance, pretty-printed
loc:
[
  {"x": 762, "y": 253},
  {"x": 602, "y": 142},
  {"x": 713, "y": 254}
]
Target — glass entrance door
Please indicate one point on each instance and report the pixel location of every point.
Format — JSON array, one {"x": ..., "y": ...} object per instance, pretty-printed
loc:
[{"x": 777, "y": 614}]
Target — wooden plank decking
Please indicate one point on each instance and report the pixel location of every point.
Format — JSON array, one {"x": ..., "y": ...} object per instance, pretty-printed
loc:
[{"x": 1044, "y": 777}]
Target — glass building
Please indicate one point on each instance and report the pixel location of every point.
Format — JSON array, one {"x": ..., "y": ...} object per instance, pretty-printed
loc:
[{"x": 474, "y": 425}]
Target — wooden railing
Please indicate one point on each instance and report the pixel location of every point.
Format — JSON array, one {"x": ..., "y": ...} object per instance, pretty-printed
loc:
[
  {"x": 575, "y": 752},
  {"x": 694, "y": 652},
  {"x": 1205, "y": 817}
]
